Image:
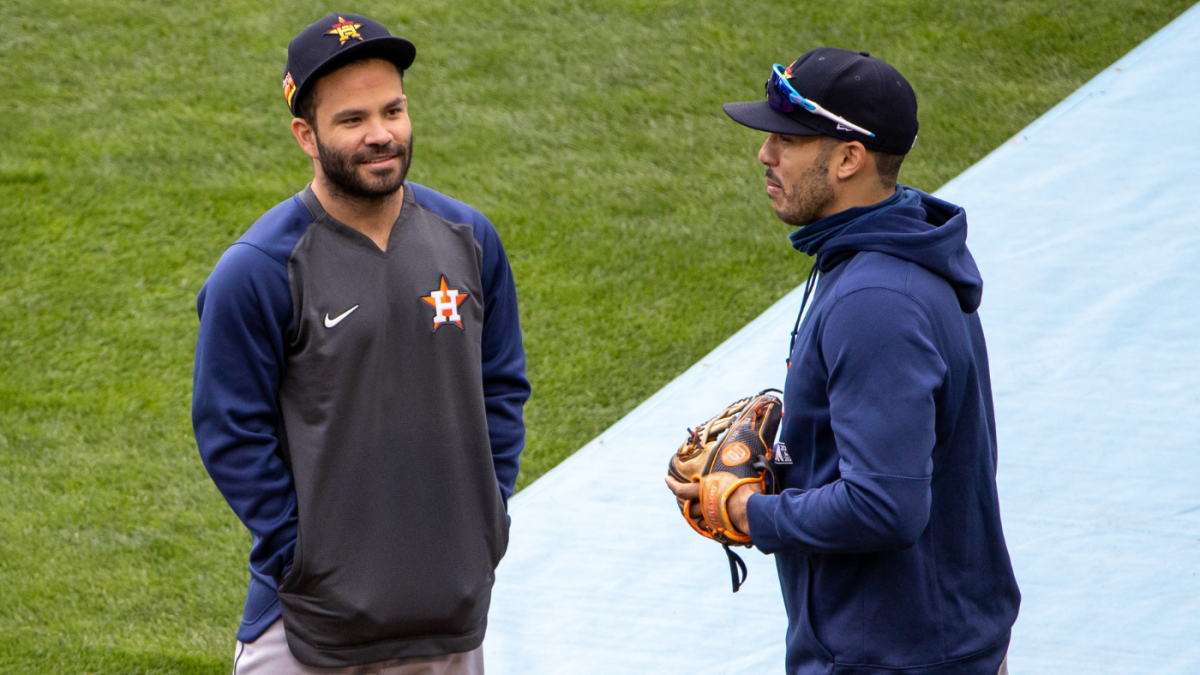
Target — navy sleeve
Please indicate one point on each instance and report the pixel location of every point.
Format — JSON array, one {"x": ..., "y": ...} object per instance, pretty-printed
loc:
[
  {"x": 245, "y": 309},
  {"x": 884, "y": 371},
  {"x": 505, "y": 387}
]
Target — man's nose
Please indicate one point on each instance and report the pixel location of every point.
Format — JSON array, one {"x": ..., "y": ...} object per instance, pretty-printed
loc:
[
  {"x": 377, "y": 134},
  {"x": 765, "y": 155}
]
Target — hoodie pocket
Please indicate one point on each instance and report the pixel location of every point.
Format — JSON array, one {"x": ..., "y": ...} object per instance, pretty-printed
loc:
[
  {"x": 291, "y": 580},
  {"x": 809, "y": 634},
  {"x": 500, "y": 546}
]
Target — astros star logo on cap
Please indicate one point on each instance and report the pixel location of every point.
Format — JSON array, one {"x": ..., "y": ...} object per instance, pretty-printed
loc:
[
  {"x": 345, "y": 30},
  {"x": 445, "y": 302},
  {"x": 289, "y": 88}
]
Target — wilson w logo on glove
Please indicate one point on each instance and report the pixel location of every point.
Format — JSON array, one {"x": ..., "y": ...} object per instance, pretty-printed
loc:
[{"x": 728, "y": 451}]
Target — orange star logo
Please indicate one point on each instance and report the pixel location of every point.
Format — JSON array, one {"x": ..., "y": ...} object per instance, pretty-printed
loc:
[
  {"x": 345, "y": 30},
  {"x": 445, "y": 302}
]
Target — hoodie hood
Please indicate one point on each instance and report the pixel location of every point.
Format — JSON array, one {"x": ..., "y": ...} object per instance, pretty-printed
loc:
[{"x": 921, "y": 229}]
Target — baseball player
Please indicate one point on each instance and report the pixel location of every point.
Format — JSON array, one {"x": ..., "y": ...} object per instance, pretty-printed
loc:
[
  {"x": 886, "y": 531},
  {"x": 359, "y": 386}
]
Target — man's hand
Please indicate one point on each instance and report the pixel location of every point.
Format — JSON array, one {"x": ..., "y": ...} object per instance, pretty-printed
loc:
[
  {"x": 686, "y": 491},
  {"x": 736, "y": 504}
]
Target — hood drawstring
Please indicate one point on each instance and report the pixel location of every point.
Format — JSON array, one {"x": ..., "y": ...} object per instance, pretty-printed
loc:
[{"x": 809, "y": 286}]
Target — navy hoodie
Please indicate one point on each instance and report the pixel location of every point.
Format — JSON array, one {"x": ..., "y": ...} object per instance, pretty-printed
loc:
[{"x": 887, "y": 534}]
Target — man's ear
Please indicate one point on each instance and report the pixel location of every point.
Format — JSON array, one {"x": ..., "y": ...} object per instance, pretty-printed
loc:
[
  {"x": 306, "y": 136},
  {"x": 852, "y": 159}
]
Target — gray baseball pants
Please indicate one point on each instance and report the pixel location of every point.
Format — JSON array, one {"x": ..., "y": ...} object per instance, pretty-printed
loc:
[{"x": 269, "y": 655}]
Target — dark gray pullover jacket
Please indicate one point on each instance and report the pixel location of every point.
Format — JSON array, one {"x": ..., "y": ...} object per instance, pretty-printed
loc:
[{"x": 361, "y": 412}]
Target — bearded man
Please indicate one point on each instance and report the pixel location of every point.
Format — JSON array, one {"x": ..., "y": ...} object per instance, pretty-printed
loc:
[
  {"x": 886, "y": 533},
  {"x": 359, "y": 385}
]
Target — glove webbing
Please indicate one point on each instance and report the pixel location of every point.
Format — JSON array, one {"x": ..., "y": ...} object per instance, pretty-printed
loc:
[{"x": 737, "y": 568}]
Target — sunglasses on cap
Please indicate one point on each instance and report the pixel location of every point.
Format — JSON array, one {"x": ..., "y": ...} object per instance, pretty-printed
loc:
[{"x": 783, "y": 97}]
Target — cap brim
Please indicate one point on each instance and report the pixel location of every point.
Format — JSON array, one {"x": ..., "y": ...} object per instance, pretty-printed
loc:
[
  {"x": 395, "y": 49},
  {"x": 760, "y": 115},
  {"x": 390, "y": 48}
]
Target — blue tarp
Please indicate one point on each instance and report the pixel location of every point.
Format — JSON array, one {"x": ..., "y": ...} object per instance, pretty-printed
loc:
[{"x": 1088, "y": 238}]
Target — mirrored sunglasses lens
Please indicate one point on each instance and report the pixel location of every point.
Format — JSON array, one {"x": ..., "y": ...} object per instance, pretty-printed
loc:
[{"x": 777, "y": 96}]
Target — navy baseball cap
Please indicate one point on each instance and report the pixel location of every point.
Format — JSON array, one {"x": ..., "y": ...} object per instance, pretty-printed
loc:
[
  {"x": 840, "y": 93},
  {"x": 333, "y": 42}
]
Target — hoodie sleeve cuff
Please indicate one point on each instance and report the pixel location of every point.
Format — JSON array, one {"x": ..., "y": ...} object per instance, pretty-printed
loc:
[{"x": 761, "y": 512}]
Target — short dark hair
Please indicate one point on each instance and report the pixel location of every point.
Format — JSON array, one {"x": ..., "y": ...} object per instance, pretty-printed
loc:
[
  {"x": 306, "y": 107},
  {"x": 887, "y": 166}
]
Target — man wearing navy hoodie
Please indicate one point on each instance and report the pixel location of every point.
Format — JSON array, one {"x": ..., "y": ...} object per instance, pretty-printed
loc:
[{"x": 887, "y": 532}]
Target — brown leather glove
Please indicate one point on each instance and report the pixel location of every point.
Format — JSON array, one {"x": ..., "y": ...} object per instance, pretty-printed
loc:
[{"x": 730, "y": 450}]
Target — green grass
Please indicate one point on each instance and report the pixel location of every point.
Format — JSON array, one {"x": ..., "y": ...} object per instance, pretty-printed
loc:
[{"x": 138, "y": 138}]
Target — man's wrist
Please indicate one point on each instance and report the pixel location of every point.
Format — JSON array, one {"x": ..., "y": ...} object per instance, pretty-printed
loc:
[
  {"x": 757, "y": 507},
  {"x": 737, "y": 506}
]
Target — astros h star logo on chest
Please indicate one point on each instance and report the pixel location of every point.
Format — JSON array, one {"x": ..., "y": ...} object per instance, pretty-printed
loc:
[{"x": 445, "y": 302}]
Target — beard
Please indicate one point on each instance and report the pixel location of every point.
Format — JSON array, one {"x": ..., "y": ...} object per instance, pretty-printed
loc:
[
  {"x": 809, "y": 196},
  {"x": 346, "y": 175}
]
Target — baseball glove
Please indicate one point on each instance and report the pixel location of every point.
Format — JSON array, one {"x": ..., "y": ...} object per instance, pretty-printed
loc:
[{"x": 730, "y": 450}]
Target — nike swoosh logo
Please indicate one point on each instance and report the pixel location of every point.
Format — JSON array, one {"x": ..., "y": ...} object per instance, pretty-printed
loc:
[{"x": 330, "y": 323}]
